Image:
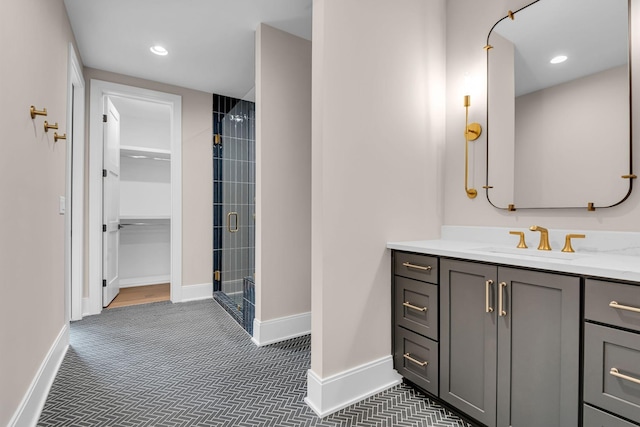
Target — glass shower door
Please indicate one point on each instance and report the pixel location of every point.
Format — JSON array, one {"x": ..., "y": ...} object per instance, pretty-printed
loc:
[{"x": 234, "y": 205}]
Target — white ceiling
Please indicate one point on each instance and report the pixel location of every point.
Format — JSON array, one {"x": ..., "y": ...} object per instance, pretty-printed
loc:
[{"x": 210, "y": 42}]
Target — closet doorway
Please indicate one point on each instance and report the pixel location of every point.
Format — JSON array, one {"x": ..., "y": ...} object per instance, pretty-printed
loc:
[
  {"x": 144, "y": 197},
  {"x": 136, "y": 202}
]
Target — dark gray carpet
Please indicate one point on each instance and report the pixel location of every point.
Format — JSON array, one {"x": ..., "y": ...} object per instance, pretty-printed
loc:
[{"x": 190, "y": 364}]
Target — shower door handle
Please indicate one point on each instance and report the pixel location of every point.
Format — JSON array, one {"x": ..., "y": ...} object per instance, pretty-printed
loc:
[{"x": 229, "y": 215}]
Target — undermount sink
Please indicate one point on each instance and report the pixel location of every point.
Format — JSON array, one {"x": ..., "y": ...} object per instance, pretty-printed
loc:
[{"x": 533, "y": 252}]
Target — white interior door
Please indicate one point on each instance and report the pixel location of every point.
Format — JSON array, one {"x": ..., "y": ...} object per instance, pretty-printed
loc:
[{"x": 110, "y": 202}]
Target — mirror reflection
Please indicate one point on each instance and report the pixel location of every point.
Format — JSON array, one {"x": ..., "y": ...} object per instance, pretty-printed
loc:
[{"x": 559, "y": 105}]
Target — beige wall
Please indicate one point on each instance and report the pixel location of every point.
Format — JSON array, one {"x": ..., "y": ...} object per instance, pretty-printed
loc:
[
  {"x": 35, "y": 37},
  {"x": 502, "y": 105},
  {"x": 468, "y": 23},
  {"x": 378, "y": 79},
  {"x": 197, "y": 175},
  {"x": 283, "y": 171},
  {"x": 546, "y": 123}
]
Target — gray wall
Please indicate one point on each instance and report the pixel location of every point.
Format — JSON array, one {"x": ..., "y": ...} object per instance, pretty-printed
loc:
[
  {"x": 378, "y": 129},
  {"x": 35, "y": 37},
  {"x": 283, "y": 174},
  {"x": 197, "y": 187}
]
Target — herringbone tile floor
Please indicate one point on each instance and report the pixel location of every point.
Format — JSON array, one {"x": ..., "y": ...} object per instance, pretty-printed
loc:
[{"x": 190, "y": 364}]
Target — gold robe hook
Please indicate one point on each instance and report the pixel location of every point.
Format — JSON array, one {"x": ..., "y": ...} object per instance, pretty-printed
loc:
[{"x": 33, "y": 112}]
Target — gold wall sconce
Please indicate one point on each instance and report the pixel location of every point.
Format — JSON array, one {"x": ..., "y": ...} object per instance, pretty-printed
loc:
[
  {"x": 56, "y": 137},
  {"x": 33, "y": 112},
  {"x": 47, "y": 126},
  {"x": 472, "y": 131}
]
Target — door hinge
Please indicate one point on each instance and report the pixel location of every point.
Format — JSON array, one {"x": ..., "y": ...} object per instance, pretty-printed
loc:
[
  {"x": 104, "y": 228},
  {"x": 104, "y": 173},
  {"x": 216, "y": 275},
  {"x": 104, "y": 283},
  {"x": 104, "y": 118}
]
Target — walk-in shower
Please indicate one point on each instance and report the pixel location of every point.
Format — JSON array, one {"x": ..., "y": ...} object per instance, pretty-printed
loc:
[{"x": 234, "y": 192}]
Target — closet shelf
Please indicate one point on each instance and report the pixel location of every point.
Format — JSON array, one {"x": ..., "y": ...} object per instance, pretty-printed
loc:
[
  {"x": 143, "y": 224},
  {"x": 142, "y": 218},
  {"x": 144, "y": 153},
  {"x": 138, "y": 223}
]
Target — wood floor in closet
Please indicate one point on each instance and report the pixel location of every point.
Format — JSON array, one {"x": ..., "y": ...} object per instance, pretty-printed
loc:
[{"x": 141, "y": 295}]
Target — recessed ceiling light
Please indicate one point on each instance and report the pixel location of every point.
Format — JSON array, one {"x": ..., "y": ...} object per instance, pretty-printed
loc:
[
  {"x": 558, "y": 59},
  {"x": 159, "y": 50}
]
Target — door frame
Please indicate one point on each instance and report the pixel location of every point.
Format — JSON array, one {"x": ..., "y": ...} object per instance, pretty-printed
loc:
[
  {"x": 74, "y": 181},
  {"x": 100, "y": 89}
]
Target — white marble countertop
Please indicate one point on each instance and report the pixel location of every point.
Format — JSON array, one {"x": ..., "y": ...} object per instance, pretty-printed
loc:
[{"x": 617, "y": 259}]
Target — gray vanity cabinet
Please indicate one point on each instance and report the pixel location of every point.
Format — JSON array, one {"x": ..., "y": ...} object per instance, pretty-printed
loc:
[
  {"x": 539, "y": 349},
  {"x": 612, "y": 350},
  {"x": 596, "y": 418},
  {"x": 509, "y": 344},
  {"x": 468, "y": 339},
  {"x": 415, "y": 313}
]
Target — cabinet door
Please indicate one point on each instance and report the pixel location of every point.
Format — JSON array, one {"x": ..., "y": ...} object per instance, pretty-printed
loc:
[
  {"x": 596, "y": 418},
  {"x": 468, "y": 338},
  {"x": 538, "y": 349},
  {"x": 612, "y": 369},
  {"x": 416, "y": 359},
  {"x": 416, "y": 306}
]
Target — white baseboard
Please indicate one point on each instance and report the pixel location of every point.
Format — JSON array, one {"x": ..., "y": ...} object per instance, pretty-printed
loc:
[
  {"x": 281, "y": 329},
  {"x": 33, "y": 401},
  {"x": 328, "y": 395},
  {"x": 197, "y": 292},
  {"x": 144, "y": 281}
]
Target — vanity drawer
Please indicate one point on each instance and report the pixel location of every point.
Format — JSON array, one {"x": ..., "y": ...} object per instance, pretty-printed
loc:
[
  {"x": 416, "y": 359},
  {"x": 416, "y": 266},
  {"x": 596, "y": 418},
  {"x": 599, "y": 294},
  {"x": 417, "y": 306},
  {"x": 605, "y": 350}
]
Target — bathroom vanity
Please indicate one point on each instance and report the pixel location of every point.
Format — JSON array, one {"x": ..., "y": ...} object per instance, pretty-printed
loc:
[{"x": 521, "y": 337}]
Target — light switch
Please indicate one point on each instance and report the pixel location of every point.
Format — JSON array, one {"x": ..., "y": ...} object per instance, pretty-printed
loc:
[{"x": 63, "y": 205}]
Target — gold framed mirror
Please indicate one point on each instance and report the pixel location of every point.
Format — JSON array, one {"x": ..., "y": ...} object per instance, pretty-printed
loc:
[{"x": 559, "y": 106}]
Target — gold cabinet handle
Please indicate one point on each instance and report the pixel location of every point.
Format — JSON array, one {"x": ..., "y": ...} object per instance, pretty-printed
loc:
[
  {"x": 487, "y": 292},
  {"x": 615, "y": 373},
  {"x": 414, "y": 307},
  {"x": 501, "y": 310},
  {"x": 229, "y": 215},
  {"x": 614, "y": 304},
  {"x": 417, "y": 267},
  {"x": 416, "y": 361}
]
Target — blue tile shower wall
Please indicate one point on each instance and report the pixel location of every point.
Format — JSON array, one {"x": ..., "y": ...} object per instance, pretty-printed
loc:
[
  {"x": 248, "y": 304},
  {"x": 233, "y": 192}
]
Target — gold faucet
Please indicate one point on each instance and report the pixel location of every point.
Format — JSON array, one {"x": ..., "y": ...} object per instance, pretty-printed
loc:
[{"x": 544, "y": 237}]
